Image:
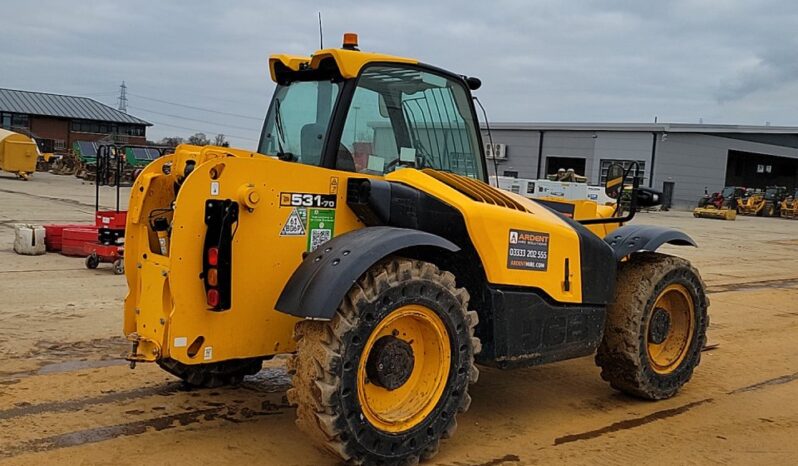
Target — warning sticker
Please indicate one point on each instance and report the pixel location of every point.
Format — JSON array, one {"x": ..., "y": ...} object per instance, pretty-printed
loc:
[
  {"x": 333, "y": 185},
  {"x": 528, "y": 250},
  {"x": 295, "y": 223},
  {"x": 321, "y": 225}
]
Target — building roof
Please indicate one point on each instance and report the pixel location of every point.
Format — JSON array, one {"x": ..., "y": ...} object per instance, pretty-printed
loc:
[
  {"x": 62, "y": 106},
  {"x": 644, "y": 127}
]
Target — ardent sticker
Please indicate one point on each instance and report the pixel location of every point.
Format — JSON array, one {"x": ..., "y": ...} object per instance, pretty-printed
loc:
[{"x": 528, "y": 250}]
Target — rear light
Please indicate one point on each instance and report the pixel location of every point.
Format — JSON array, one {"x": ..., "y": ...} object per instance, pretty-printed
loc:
[
  {"x": 220, "y": 217},
  {"x": 213, "y": 277},
  {"x": 213, "y": 297}
]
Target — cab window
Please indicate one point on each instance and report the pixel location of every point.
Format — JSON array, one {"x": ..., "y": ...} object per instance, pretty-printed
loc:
[{"x": 403, "y": 116}]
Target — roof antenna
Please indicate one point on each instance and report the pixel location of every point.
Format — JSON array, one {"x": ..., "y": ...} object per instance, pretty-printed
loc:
[{"x": 321, "y": 34}]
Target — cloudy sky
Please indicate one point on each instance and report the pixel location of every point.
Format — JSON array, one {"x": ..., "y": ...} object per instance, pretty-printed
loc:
[{"x": 723, "y": 61}]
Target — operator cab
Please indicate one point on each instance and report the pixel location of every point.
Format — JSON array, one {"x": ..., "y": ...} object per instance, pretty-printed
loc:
[{"x": 388, "y": 115}]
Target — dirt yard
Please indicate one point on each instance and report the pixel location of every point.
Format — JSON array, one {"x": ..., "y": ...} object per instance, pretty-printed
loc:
[{"x": 67, "y": 396}]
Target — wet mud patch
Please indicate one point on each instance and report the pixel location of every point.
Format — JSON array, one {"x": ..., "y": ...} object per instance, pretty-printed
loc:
[
  {"x": 767, "y": 383},
  {"x": 104, "y": 433},
  {"x": 754, "y": 285},
  {"x": 630, "y": 423}
]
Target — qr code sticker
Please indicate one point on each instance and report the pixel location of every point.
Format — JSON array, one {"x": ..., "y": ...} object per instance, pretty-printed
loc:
[{"x": 319, "y": 237}]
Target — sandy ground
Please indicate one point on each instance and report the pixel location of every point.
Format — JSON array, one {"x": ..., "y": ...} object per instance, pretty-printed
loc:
[{"x": 67, "y": 397}]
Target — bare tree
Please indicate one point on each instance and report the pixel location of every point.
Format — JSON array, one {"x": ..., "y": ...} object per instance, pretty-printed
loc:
[
  {"x": 221, "y": 141},
  {"x": 199, "y": 139},
  {"x": 172, "y": 141}
]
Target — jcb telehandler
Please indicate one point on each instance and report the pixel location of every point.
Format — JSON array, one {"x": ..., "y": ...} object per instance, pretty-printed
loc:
[{"x": 362, "y": 238}]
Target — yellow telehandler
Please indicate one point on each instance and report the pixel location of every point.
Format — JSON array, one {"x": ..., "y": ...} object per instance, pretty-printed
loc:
[{"x": 362, "y": 238}]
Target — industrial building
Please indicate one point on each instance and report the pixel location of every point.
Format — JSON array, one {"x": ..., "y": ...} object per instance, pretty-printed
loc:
[
  {"x": 57, "y": 121},
  {"x": 682, "y": 160}
]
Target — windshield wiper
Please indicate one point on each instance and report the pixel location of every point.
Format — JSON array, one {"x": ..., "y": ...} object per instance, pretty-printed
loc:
[{"x": 278, "y": 122}]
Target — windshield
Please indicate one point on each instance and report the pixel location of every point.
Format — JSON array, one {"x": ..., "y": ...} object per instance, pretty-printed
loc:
[
  {"x": 298, "y": 120},
  {"x": 404, "y": 116},
  {"x": 399, "y": 116},
  {"x": 727, "y": 192}
]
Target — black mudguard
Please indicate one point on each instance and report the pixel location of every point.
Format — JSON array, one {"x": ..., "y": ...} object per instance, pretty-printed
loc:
[
  {"x": 321, "y": 281},
  {"x": 634, "y": 238}
]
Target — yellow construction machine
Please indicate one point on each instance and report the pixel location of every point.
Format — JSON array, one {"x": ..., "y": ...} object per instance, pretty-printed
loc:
[
  {"x": 18, "y": 154},
  {"x": 751, "y": 203},
  {"x": 362, "y": 238},
  {"x": 789, "y": 206},
  {"x": 721, "y": 205}
]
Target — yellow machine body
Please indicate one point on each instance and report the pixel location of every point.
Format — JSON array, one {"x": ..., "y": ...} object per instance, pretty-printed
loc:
[
  {"x": 712, "y": 212},
  {"x": 165, "y": 311},
  {"x": 789, "y": 207},
  {"x": 752, "y": 205},
  {"x": 18, "y": 153}
]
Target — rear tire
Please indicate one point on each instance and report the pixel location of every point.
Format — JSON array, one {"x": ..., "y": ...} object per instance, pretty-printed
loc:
[
  {"x": 212, "y": 375},
  {"x": 770, "y": 209},
  {"x": 347, "y": 405},
  {"x": 656, "y": 327}
]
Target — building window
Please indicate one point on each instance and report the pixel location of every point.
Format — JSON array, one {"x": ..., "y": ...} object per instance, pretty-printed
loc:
[
  {"x": 605, "y": 164},
  {"x": 14, "y": 121},
  {"x": 511, "y": 173}
]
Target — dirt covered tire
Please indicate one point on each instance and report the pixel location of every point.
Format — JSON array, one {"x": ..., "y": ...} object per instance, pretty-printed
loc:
[
  {"x": 385, "y": 419},
  {"x": 119, "y": 267},
  {"x": 212, "y": 375},
  {"x": 770, "y": 210},
  {"x": 92, "y": 261},
  {"x": 656, "y": 327}
]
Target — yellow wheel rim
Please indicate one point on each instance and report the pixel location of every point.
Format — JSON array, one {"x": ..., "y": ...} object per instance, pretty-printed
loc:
[
  {"x": 667, "y": 355},
  {"x": 405, "y": 407}
]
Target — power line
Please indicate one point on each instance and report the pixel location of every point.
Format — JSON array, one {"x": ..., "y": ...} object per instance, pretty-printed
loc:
[
  {"x": 197, "y": 108},
  {"x": 203, "y": 131},
  {"x": 192, "y": 119}
]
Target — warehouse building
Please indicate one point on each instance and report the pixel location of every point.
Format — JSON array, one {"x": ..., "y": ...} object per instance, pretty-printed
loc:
[
  {"x": 682, "y": 160},
  {"x": 57, "y": 121}
]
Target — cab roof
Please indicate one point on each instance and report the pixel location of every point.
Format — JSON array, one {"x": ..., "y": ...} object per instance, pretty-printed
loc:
[{"x": 348, "y": 62}]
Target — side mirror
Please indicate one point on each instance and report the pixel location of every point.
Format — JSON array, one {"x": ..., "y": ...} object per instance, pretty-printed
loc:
[{"x": 614, "y": 184}]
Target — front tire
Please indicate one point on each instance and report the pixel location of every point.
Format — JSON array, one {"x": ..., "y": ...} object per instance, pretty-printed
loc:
[
  {"x": 382, "y": 382},
  {"x": 656, "y": 327}
]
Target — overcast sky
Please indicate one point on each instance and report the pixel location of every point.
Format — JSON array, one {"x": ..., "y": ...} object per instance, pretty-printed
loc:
[{"x": 723, "y": 61}]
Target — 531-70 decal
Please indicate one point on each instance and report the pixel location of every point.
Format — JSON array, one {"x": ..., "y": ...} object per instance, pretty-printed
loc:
[{"x": 324, "y": 201}]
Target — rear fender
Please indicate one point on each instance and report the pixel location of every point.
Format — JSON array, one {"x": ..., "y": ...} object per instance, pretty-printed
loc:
[
  {"x": 321, "y": 281},
  {"x": 635, "y": 238}
]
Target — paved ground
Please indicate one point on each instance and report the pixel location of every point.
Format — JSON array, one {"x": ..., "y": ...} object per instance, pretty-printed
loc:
[{"x": 66, "y": 397}]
